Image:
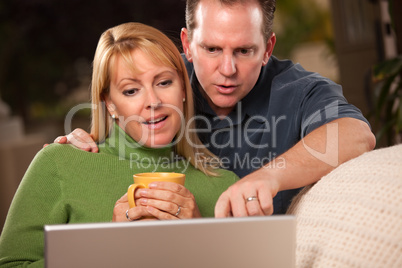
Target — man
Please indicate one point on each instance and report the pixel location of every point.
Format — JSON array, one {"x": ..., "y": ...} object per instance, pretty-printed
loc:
[{"x": 276, "y": 125}]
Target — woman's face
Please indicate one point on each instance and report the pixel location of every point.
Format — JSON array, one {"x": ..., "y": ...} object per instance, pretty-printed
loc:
[{"x": 148, "y": 103}]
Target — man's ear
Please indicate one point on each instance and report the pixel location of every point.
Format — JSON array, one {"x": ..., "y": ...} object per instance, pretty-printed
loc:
[
  {"x": 186, "y": 44},
  {"x": 270, "y": 48}
]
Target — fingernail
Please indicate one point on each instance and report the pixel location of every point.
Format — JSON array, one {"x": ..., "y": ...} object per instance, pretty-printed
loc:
[
  {"x": 143, "y": 201},
  {"x": 144, "y": 192},
  {"x": 152, "y": 185}
]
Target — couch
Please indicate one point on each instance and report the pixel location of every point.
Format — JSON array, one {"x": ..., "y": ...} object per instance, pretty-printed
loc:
[{"x": 352, "y": 217}]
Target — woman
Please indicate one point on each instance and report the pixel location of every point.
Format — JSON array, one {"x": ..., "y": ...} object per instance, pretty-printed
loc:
[{"x": 142, "y": 111}]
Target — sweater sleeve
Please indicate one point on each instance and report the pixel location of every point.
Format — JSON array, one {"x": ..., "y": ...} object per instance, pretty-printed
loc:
[{"x": 38, "y": 201}]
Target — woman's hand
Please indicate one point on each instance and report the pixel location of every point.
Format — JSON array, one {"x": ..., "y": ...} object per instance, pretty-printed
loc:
[
  {"x": 162, "y": 200},
  {"x": 122, "y": 211}
]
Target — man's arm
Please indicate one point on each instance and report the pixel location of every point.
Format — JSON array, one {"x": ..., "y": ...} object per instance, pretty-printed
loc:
[{"x": 305, "y": 163}]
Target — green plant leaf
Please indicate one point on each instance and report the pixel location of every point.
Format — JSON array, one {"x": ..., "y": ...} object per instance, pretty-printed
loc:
[
  {"x": 388, "y": 68},
  {"x": 384, "y": 91}
]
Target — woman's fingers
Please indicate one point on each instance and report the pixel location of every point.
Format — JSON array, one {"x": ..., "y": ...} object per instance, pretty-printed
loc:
[
  {"x": 164, "y": 210},
  {"x": 162, "y": 200},
  {"x": 170, "y": 186},
  {"x": 138, "y": 213},
  {"x": 122, "y": 211},
  {"x": 167, "y": 191},
  {"x": 166, "y": 200}
]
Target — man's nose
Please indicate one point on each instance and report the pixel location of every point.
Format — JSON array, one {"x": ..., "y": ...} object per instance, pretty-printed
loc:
[{"x": 228, "y": 65}]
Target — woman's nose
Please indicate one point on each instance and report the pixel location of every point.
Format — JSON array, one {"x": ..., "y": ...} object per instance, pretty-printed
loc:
[{"x": 153, "y": 101}]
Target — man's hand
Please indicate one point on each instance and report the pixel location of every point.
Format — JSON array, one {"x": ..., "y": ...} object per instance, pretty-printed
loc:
[
  {"x": 80, "y": 139},
  {"x": 316, "y": 155},
  {"x": 251, "y": 196}
]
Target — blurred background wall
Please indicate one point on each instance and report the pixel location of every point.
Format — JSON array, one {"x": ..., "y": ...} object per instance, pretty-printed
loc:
[
  {"x": 46, "y": 51},
  {"x": 47, "y": 47}
]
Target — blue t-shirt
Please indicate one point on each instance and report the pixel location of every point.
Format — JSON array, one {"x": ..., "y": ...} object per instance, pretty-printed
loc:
[{"x": 286, "y": 104}]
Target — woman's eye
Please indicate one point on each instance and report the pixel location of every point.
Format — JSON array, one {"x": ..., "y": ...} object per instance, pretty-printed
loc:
[
  {"x": 130, "y": 92},
  {"x": 165, "y": 83}
]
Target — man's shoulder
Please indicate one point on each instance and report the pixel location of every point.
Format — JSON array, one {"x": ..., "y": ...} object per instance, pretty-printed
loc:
[
  {"x": 286, "y": 72},
  {"x": 278, "y": 65}
]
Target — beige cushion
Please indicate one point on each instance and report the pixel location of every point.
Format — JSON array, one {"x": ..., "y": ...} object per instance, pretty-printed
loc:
[{"x": 353, "y": 216}]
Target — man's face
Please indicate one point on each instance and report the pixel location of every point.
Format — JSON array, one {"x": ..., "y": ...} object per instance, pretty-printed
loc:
[{"x": 228, "y": 50}]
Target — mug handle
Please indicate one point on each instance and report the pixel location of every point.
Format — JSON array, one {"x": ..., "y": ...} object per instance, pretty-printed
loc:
[{"x": 130, "y": 193}]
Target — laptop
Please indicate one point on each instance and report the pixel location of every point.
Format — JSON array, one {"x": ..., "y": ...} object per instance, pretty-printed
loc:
[{"x": 266, "y": 241}]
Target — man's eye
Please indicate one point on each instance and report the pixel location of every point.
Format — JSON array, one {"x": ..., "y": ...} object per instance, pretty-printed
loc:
[
  {"x": 211, "y": 49},
  {"x": 244, "y": 51},
  {"x": 130, "y": 92}
]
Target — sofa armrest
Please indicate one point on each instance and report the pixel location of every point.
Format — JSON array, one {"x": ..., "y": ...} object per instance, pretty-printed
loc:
[{"x": 352, "y": 217}]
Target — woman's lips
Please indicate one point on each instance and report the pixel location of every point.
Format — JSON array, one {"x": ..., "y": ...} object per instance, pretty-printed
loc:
[{"x": 156, "y": 123}]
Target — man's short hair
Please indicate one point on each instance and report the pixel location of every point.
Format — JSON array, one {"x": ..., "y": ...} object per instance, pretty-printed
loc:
[{"x": 267, "y": 7}]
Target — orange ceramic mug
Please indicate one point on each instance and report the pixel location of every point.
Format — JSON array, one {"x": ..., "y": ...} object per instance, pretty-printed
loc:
[{"x": 141, "y": 180}]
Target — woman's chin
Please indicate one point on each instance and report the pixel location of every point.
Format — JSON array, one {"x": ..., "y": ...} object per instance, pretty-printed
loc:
[{"x": 158, "y": 143}]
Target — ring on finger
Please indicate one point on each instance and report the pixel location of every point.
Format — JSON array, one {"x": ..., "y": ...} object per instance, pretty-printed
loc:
[
  {"x": 251, "y": 198},
  {"x": 178, "y": 211},
  {"x": 128, "y": 217}
]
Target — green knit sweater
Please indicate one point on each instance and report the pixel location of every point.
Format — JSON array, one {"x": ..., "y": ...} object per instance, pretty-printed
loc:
[{"x": 66, "y": 185}]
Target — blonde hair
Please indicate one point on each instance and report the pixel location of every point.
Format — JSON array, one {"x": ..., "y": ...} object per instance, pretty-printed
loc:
[{"x": 122, "y": 40}]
